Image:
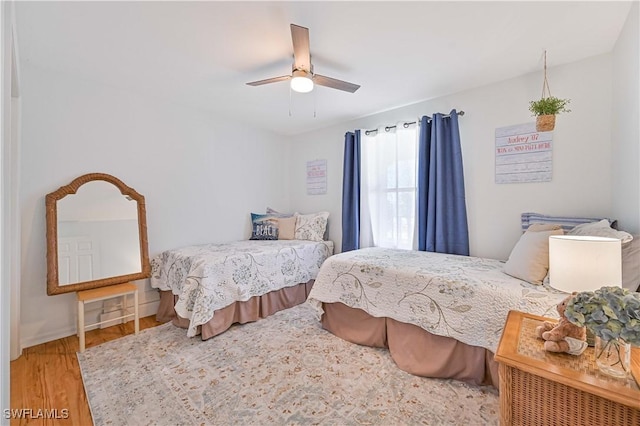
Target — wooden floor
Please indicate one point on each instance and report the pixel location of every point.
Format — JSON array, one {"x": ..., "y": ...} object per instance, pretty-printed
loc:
[{"x": 47, "y": 377}]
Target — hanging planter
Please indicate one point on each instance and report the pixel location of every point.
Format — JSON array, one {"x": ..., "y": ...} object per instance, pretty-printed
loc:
[
  {"x": 548, "y": 106},
  {"x": 545, "y": 123}
]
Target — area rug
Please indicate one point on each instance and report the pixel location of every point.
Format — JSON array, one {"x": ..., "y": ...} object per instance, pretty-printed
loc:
[{"x": 281, "y": 370}]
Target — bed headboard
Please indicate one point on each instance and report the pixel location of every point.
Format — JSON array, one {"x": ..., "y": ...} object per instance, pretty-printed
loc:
[{"x": 566, "y": 222}]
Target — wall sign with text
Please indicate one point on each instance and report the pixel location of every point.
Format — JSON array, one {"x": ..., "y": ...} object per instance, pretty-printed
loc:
[
  {"x": 316, "y": 177},
  {"x": 523, "y": 154}
]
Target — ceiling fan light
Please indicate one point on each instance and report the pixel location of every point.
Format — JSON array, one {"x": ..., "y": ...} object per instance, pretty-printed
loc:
[{"x": 301, "y": 82}]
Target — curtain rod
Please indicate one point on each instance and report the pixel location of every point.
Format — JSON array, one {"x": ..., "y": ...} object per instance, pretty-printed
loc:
[{"x": 407, "y": 124}]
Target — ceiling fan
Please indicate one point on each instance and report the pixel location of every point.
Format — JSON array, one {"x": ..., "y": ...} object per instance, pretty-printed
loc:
[{"x": 302, "y": 76}]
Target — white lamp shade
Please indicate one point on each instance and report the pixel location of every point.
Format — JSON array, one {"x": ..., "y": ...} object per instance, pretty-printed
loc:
[
  {"x": 584, "y": 263},
  {"x": 301, "y": 81}
]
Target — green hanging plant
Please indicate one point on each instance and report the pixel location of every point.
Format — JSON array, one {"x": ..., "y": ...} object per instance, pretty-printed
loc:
[{"x": 549, "y": 106}]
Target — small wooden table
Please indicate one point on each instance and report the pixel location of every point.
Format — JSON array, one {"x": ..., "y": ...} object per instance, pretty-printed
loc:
[
  {"x": 543, "y": 388},
  {"x": 102, "y": 293}
]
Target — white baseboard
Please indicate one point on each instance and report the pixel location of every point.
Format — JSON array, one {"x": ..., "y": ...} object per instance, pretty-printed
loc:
[{"x": 145, "y": 310}]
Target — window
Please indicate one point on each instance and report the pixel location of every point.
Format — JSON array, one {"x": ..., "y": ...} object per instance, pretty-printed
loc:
[{"x": 388, "y": 187}]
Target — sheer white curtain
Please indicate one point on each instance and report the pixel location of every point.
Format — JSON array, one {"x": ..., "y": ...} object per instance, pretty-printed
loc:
[{"x": 388, "y": 187}]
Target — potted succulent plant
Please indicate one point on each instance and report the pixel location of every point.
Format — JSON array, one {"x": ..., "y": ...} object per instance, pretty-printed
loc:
[{"x": 546, "y": 109}]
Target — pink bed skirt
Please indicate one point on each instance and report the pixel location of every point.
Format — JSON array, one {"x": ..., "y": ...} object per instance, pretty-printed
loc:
[
  {"x": 413, "y": 349},
  {"x": 239, "y": 312}
]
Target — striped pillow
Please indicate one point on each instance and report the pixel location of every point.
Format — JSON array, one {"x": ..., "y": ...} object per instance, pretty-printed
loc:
[{"x": 566, "y": 222}]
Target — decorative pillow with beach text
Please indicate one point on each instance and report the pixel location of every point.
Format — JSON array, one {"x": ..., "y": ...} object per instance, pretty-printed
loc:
[{"x": 263, "y": 227}]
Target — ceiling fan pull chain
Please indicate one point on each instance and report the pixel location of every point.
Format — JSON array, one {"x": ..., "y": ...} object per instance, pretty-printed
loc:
[
  {"x": 289, "y": 101},
  {"x": 315, "y": 103}
]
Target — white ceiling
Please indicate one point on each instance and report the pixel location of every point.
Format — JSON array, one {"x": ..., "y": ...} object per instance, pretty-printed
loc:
[{"x": 201, "y": 54}]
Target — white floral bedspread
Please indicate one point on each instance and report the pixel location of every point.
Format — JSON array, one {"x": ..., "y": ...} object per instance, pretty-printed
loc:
[
  {"x": 466, "y": 298},
  {"x": 211, "y": 276}
]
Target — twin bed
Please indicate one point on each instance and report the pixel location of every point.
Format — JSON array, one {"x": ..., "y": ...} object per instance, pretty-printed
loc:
[
  {"x": 207, "y": 288},
  {"x": 442, "y": 315}
]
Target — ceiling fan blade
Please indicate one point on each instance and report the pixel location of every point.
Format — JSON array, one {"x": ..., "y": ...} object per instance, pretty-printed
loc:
[
  {"x": 335, "y": 83},
  {"x": 301, "y": 55},
  {"x": 269, "y": 80}
]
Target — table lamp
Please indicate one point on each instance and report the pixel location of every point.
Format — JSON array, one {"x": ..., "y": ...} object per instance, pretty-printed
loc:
[{"x": 580, "y": 263}]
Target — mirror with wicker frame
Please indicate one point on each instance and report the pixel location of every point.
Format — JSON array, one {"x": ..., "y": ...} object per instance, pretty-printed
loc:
[{"x": 96, "y": 235}]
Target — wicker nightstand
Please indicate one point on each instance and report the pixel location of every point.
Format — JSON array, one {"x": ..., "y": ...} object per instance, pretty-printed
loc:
[{"x": 542, "y": 388}]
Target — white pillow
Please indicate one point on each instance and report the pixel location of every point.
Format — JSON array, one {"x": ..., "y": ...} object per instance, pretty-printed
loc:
[
  {"x": 276, "y": 213},
  {"x": 600, "y": 229},
  {"x": 529, "y": 259},
  {"x": 311, "y": 226},
  {"x": 631, "y": 264}
]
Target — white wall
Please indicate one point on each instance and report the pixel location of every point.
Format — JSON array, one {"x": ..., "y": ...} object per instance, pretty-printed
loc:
[
  {"x": 625, "y": 134},
  {"x": 201, "y": 175},
  {"x": 9, "y": 214},
  {"x": 5, "y": 137},
  {"x": 581, "y": 181}
]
